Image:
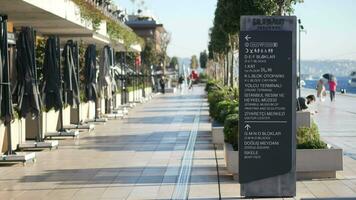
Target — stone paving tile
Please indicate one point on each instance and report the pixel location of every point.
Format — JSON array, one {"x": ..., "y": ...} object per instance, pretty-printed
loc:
[
  {"x": 144, "y": 192},
  {"x": 118, "y": 192},
  {"x": 165, "y": 191}
]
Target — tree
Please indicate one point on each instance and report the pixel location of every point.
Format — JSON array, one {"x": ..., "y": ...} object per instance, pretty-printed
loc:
[
  {"x": 149, "y": 54},
  {"x": 165, "y": 39},
  {"x": 203, "y": 59},
  {"x": 226, "y": 26},
  {"x": 194, "y": 62},
  {"x": 174, "y": 63}
]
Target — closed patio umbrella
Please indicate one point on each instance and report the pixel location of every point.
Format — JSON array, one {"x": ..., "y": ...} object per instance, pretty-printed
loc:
[
  {"x": 53, "y": 86},
  {"x": 2, "y": 55},
  {"x": 105, "y": 85},
  {"x": 114, "y": 86},
  {"x": 52, "y": 96},
  {"x": 26, "y": 92},
  {"x": 90, "y": 73},
  {"x": 6, "y": 111},
  {"x": 91, "y": 92},
  {"x": 71, "y": 86}
]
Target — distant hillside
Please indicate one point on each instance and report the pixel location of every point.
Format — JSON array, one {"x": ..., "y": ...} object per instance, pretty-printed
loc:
[{"x": 336, "y": 67}]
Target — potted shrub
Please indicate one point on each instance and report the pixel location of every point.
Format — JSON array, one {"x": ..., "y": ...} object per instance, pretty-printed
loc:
[
  {"x": 224, "y": 108},
  {"x": 231, "y": 132},
  {"x": 314, "y": 158},
  {"x": 214, "y": 98}
]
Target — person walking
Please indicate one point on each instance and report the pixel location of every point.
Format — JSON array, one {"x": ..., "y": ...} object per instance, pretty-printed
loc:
[
  {"x": 332, "y": 89},
  {"x": 180, "y": 82},
  {"x": 320, "y": 88},
  {"x": 162, "y": 83}
]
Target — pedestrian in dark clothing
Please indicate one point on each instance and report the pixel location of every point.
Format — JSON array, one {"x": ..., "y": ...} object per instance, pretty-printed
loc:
[
  {"x": 180, "y": 82},
  {"x": 162, "y": 84},
  {"x": 303, "y": 103}
]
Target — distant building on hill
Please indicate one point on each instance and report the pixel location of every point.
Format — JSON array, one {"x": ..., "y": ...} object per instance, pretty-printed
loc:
[{"x": 148, "y": 28}]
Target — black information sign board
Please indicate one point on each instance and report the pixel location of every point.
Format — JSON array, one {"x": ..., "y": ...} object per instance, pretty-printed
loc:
[{"x": 266, "y": 107}]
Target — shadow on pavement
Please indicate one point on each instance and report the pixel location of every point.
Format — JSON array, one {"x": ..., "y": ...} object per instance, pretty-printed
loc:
[
  {"x": 124, "y": 175},
  {"x": 154, "y": 141}
]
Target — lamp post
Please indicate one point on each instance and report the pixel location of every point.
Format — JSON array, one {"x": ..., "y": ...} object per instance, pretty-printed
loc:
[{"x": 301, "y": 28}]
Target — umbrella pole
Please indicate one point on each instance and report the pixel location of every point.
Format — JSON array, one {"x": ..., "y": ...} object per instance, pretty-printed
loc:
[
  {"x": 124, "y": 78},
  {"x": 39, "y": 128},
  {"x": 38, "y": 117},
  {"x": 61, "y": 129},
  {"x": 113, "y": 98},
  {"x": 6, "y": 84},
  {"x": 77, "y": 66}
]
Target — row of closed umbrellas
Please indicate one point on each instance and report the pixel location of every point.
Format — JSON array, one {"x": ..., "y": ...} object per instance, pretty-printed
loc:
[{"x": 60, "y": 86}]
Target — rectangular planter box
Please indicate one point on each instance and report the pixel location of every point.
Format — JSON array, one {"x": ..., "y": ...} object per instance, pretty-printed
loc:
[
  {"x": 102, "y": 106},
  {"x": 90, "y": 114},
  {"x": 18, "y": 127},
  {"x": 74, "y": 114},
  {"x": 148, "y": 91},
  {"x": 66, "y": 117},
  {"x": 232, "y": 160},
  {"x": 117, "y": 99},
  {"x": 311, "y": 163},
  {"x": 131, "y": 96},
  {"x": 138, "y": 95},
  {"x": 318, "y": 163},
  {"x": 48, "y": 122},
  {"x": 87, "y": 111},
  {"x": 217, "y": 131}
]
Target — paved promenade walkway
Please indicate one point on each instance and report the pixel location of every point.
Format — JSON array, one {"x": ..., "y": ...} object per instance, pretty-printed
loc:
[
  {"x": 337, "y": 121},
  {"x": 144, "y": 157}
]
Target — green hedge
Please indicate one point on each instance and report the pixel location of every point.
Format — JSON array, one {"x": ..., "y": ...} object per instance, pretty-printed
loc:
[
  {"x": 224, "y": 108},
  {"x": 231, "y": 130},
  {"x": 214, "y": 98},
  {"x": 309, "y": 138},
  {"x": 210, "y": 85}
]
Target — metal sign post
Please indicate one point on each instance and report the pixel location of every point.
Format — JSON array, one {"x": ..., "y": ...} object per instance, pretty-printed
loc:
[{"x": 267, "y": 146}]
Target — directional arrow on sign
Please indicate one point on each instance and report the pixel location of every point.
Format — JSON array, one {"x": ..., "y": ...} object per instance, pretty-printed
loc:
[
  {"x": 247, "y": 126},
  {"x": 247, "y": 37}
]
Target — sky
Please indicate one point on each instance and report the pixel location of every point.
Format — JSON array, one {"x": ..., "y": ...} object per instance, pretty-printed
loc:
[
  {"x": 188, "y": 21},
  {"x": 330, "y": 26},
  {"x": 330, "y": 29}
]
